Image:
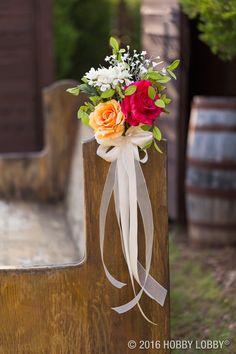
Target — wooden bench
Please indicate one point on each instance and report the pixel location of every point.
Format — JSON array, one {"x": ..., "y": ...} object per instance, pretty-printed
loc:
[{"x": 54, "y": 296}]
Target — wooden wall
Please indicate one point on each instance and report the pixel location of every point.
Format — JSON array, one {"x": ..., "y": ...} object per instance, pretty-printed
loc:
[
  {"x": 161, "y": 35},
  {"x": 26, "y": 65}
]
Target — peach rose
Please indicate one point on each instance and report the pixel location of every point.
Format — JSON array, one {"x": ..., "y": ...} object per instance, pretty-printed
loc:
[{"x": 107, "y": 120}]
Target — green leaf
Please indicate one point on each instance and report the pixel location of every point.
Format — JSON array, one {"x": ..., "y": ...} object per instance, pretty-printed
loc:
[
  {"x": 165, "y": 99},
  {"x": 84, "y": 87},
  {"x": 89, "y": 106},
  {"x": 84, "y": 79},
  {"x": 154, "y": 75},
  {"x": 108, "y": 93},
  {"x": 120, "y": 93},
  {"x": 148, "y": 145},
  {"x": 114, "y": 44},
  {"x": 157, "y": 133},
  {"x": 85, "y": 118},
  {"x": 146, "y": 127},
  {"x": 166, "y": 111},
  {"x": 130, "y": 90},
  {"x": 119, "y": 56},
  {"x": 95, "y": 99},
  {"x": 89, "y": 90},
  {"x": 151, "y": 92},
  {"x": 164, "y": 79},
  {"x": 171, "y": 74},
  {"x": 81, "y": 110},
  {"x": 74, "y": 90},
  {"x": 160, "y": 103},
  {"x": 160, "y": 87},
  {"x": 157, "y": 148},
  {"x": 174, "y": 65}
]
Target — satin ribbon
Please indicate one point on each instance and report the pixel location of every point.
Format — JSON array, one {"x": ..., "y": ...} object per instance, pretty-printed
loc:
[{"x": 126, "y": 180}]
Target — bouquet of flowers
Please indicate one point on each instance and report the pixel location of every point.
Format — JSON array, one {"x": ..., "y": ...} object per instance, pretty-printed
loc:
[
  {"x": 127, "y": 93},
  {"x": 125, "y": 100}
]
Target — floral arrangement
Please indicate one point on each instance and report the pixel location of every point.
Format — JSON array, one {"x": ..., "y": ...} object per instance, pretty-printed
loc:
[
  {"x": 129, "y": 92},
  {"x": 125, "y": 100}
]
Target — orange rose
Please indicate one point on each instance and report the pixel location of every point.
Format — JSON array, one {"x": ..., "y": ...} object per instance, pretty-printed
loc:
[{"x": 107, "y": 120}]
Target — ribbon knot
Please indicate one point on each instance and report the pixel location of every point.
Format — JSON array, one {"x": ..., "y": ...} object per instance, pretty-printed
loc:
[{"x": 126, "y": 180}]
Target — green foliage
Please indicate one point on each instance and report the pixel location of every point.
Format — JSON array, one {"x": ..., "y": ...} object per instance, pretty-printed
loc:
[
  {"x": 96, "y": 94},
  {"x": 151, "y": 92},
  {"x": 195, "y": 293},
  {"x": 114, "y": 44},
  {"x": 65, "y": 37},
  {"x": 130, "y": 90},
  {"x": 88, "y": 90},
  {"x": 157, "y": 133},
  {"x": 157, "y": 148},
  {"x": 74, "y": 90},
  {"x": 146, "y": 127},
  {"x": 108, "y": 93},
  {"x": 160, "y": 103},
  {"x": 217, "y": 24},
  {"x": 81, "y": 29}
]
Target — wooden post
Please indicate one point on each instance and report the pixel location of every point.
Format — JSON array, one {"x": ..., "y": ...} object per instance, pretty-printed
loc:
[
  {"x": 44, "y": 175},
  {"x": 111, "y": 331},
  {"x": 67, "y": 309},
  {"x": 161, "y": 36}
]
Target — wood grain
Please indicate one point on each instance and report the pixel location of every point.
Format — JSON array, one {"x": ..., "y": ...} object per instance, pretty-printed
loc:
[
  {"x": 130, "y": 325},
  {"x": 33, "y": 234},
  {"x": 26, "y": 66},
  {"x": 43, "y": 176},
  {"x": 68, "y": 309},
  {"x": 161, "y": 36}
]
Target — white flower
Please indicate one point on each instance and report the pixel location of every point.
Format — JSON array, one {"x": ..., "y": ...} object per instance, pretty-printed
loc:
[
  {"x": 163, "y": 70},
  {"x": 105, "y": 87},
  {"x": 143, "y": 52},
  {"x": 143, "y": 70},
  {"x": 91, "y": 75},
  {"x": 128, "y": 82},
  {"x": 125, "y": 56},
  {"x": 105, "y": 78}
]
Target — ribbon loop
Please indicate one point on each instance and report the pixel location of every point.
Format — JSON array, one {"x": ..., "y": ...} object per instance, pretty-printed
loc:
[{"x": 125, "y": 178}]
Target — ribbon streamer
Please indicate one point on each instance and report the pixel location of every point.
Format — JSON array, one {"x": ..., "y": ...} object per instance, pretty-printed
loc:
[{"x": 126, "y": 180}]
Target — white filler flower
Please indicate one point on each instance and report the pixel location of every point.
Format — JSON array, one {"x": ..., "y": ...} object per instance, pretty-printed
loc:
[{"x": 106, "y": 78}]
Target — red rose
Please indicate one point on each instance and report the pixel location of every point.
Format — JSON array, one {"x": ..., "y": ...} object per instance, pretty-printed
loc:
[{"x": 139, "y": 107}]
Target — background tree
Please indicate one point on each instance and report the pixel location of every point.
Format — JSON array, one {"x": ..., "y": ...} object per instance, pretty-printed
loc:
[
  {"x": 216, "y": 23},
  {"x": 82, "y": 29}
]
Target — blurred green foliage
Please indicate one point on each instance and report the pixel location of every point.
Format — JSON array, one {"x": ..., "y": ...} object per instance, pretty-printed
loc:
[
  {"x": 207, "y": 311},
  {"x": 82, "y": 29},
  {"x": 217, "y": 24}
]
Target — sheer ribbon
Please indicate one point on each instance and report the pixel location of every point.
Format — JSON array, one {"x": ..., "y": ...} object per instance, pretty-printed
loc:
[{"x": 126, "y": 180}]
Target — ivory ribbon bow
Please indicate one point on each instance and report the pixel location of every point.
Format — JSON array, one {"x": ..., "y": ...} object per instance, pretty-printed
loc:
[{"x": 125, "y": 178}]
